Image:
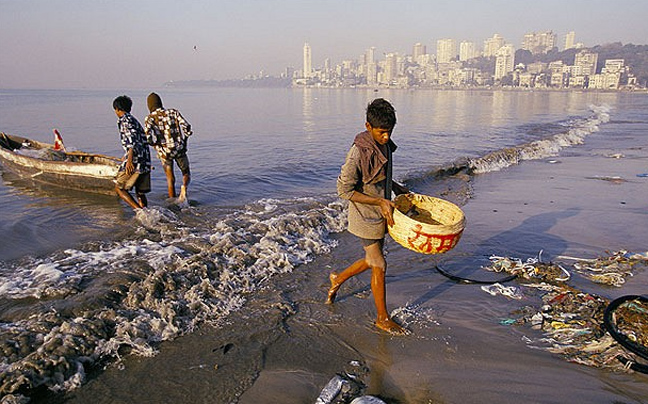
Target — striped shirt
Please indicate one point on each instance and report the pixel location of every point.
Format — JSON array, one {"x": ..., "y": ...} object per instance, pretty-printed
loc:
[
  {"x": 167, "y": 130},
  {"x": 132, "y": 136}
]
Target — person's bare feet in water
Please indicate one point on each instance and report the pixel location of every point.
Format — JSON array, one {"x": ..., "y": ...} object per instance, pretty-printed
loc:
[
  {"x": 332, "y": 293},
  {"x": 391, "y": 327}
]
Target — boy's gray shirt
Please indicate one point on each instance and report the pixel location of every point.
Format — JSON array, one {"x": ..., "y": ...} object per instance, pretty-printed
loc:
[{"x": 365, "y": 221}]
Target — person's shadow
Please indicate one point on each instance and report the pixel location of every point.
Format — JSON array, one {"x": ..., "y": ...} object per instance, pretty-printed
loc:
[{"x": 523, "y": 241}]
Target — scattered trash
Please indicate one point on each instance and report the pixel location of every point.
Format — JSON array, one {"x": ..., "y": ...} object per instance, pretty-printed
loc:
[
  {"x": 615, "y": 155},
  {"x": 611, "y": 270},
  {"x": 331, "y": 390},
  {"x": 345, "y": 386},
  {"x": 613, "y": 179},
  {"x": 582, "y": 327},
  {"x": 367, "y": 400},
  {"x": 532, "y": 269},
  {"x": 508, "y": 291},
  {"x": 572, "y": 326}
]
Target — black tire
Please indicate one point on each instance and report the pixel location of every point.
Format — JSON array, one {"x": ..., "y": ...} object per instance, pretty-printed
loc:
[{"x": 626, "y": 342}]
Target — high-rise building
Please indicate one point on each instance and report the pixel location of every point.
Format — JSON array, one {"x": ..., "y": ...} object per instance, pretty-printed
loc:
[
  {"x": 370, "y": 55},
  {"x": 504, "y": 61},
  {"x": 446, "y": 50},
  {"x": 391, "y": 67},
  {"x": 538, "y": 43},
  {"x": 308, "y": 62},
  {"x": 467, "y": 50},
  {"x": 570, "y": 39},
  {"x": 492, "y": 45},
  {"x": 372, "y": 73},
  {"x": 418, "y": 51}
]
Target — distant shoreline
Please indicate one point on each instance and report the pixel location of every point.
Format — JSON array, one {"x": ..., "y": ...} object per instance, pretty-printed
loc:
[{"x": 286, "y": 83}]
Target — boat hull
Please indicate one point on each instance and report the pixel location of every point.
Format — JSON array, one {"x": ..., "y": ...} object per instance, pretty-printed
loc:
[{"x": 74, "y": 170}]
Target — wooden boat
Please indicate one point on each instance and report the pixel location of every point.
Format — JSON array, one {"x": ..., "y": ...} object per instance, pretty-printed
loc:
[{"x": 46, "y": 163}]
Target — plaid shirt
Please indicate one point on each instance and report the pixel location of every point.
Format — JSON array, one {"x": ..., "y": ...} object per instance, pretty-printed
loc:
[
  {"x": 167, "y": 131},
  {"x": 132, "y": 136}
]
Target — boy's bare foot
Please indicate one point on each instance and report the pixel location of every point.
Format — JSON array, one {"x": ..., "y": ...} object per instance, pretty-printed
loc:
[
  {"x": 183, "y": 194},
  {"x": 391, "y": 327},
  {"x": 332, "y": 293}
]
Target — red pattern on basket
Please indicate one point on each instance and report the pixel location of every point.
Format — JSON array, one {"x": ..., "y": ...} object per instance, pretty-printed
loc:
[{"x": 431, "y": 243}]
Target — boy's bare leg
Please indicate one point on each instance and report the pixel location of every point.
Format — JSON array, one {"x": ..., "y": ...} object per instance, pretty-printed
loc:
[
  {"x": 170, "y": 176},
  {"x": 338, "y": 279},
  {"x": 186, "y": 178},
  {"x": 126, "y": 196},
  {"x": 383, "y": 321},
  {"x": 376, "y": 260},
  {"x": 143, "y": 201}
]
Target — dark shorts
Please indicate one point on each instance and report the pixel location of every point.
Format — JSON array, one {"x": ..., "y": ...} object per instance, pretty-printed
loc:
[
  {"x": 366, "y": 242},
  {"x": 141, "y": 181},
  {"x": 182, "y": 161}
]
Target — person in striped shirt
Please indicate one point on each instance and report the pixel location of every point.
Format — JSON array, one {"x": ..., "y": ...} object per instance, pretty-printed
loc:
[{"x": 167, "y": 131}]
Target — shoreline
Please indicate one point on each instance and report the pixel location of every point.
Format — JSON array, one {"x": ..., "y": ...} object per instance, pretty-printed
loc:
[{"x": 581, "y": 203}]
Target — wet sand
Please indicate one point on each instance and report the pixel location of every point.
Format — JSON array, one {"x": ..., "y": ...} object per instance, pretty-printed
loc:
[{"x": 582, "y": 203}]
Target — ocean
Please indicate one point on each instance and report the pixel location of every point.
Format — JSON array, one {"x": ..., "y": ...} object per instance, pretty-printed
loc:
[{"x": 222, "y": 300}]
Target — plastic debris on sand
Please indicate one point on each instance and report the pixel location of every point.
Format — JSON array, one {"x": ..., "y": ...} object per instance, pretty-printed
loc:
[{"x": 572, "y": 321}]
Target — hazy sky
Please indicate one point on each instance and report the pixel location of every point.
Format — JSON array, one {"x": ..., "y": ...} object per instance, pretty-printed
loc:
[{"x": 144, "y": 43}]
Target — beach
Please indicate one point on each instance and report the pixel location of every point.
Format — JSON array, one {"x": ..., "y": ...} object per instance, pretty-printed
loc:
[{"x": 278, "y": 342}]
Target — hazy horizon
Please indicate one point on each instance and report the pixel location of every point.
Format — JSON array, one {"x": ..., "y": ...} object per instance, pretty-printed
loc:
[{"x": 141, "y": 44}]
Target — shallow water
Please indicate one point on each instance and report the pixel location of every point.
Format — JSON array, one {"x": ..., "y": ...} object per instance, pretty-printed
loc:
[{"x": 139, "y": 306}]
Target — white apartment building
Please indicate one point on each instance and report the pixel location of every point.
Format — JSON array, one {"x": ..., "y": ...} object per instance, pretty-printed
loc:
[
  {"x": 467, "y": 51},
  {"x": 538, "y": 43},
  {"x": 418, "y": 51},
  {"x": 610, "y": 76},
  {"x": 372, "y": 74},
  {"x": 587, "y": 62},
  {"x": 446, "y": 50},
  {"x": 492, "y": 45},
  {"x": 370, "y": 55},
  {"x": 570, "y": 40},
  {"x": 308, "y": 62},
  {"x": 390, "y": 71},
  {"x": 504, "y": 61},
  {"x": 614, "y": 66}
]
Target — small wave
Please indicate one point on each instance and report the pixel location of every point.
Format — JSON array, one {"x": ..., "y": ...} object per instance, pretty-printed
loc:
[
  {"x": 575, "y": 134},
  {"x": 81, "y": 308}
]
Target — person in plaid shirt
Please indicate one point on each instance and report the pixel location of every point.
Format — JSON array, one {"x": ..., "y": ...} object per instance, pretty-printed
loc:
[
  {"x": 167, "y": 131},
  {"x": 135, "y": 169}
]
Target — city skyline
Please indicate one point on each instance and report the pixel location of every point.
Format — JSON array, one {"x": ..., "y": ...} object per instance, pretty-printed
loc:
[
  {"x": 120, "y": 44},
  {"x": 448, "y": 69}
]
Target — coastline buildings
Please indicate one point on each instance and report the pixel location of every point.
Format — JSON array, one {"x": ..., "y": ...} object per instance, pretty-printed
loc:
[{"x": 469, "y": 67}]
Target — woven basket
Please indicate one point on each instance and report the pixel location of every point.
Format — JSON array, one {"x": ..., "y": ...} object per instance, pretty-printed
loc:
[{"x": 426, "y": 224}]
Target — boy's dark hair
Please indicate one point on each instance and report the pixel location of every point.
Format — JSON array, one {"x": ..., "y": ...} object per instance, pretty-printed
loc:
[
  {"x": 381, "y": 114},
  {"x": 123, "y": 103},
  {"x": 153, "y": 101}
]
